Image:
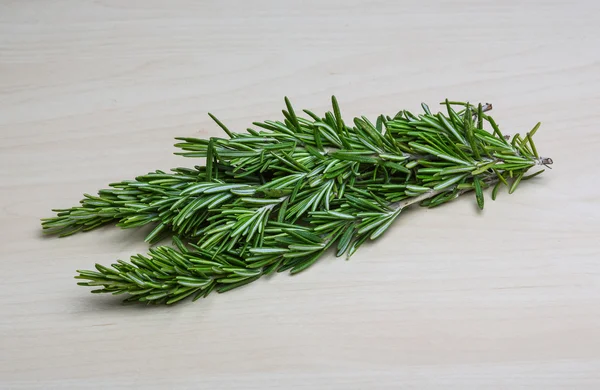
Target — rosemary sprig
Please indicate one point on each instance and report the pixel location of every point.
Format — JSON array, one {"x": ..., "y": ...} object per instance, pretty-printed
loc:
[{"x": 278, "y": 196}]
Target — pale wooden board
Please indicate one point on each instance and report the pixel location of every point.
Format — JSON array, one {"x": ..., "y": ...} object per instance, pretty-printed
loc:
[{"x": 93, "y": 92}]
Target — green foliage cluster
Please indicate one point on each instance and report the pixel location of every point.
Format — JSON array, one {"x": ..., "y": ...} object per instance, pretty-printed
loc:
[{"x": 278, "y": 196}]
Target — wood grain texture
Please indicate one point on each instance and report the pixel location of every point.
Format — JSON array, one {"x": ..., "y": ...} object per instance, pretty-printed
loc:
[{"x": 93, "y": 92}]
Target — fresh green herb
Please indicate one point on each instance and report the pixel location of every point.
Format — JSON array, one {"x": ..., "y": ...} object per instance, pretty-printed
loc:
[{"x": 277, "y": 197}]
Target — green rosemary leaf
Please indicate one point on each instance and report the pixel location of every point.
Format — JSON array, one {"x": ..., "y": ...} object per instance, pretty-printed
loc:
[
  {"x": 468, "y": 125},
  {"x": 303, "y": 235},
  {"x": 452, "y": 170},
  {"x": 478, "y": 192},
  {"x": 500, "y": 177},
  {"x": 355, "y": 156},
  {"x": 394, "y": 157},
  {"x": 447, "y": 183},
  {"x": 305, "y": 264},
  {"x": 155, "y": 233},
  {"x": 238, "y": 283},
  {"x": 450, "y": 127},
  {"x": 432, "y": 122},
  {"x": 417, "y": 189},
  {"x": 181, "y": 296},
  {"x": 345, "y": 240},
  {"x": 337, "y": 114},
  {"x": 532, "y": 145},
  {"x": 339, "y": 215},
  {"x": 381, "y": 229},
  {"x": 454, "y": 117},
  {"x": 282, "y": 210},
  {"x": 356, "y": 244},
  {"x": 535, "y": 129},
  {"x": 221, "y": 125},
  {"x": 426, "y": 108},
  {"x": 533, "y": 175},
  {"x": 209, "y": 160},
  {"x": 312, "y": 115},
  {"x": 260, "y": 201},
  {"x": 495, "y": 190},
  {"x": 379, "y": 123},
  {"x": 515, "y": 183},
  {"x": 496, "y": 129},
  {"x": 484, "y": 168},
  {"x": 294, "y": 119},
  {"x": 305, "y": 248},
  {"x": 192, "y": 282}
]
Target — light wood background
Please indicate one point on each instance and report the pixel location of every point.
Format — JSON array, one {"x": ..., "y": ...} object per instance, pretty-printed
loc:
[{"x": 93, "y": 92}]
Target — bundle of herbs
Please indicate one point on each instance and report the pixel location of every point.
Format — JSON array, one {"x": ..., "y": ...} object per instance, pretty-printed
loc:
[{"x": 280, "y": 195}]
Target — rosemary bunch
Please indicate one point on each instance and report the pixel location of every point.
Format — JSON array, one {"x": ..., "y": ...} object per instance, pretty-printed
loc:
[{"x": 278, "y": 196}]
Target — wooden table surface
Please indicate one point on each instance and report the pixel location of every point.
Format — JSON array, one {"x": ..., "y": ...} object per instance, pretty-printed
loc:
[{"x": 92, "y": 92}]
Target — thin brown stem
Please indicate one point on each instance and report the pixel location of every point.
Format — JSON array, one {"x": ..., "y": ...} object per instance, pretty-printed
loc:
[{"x": 431, "y": 193}]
